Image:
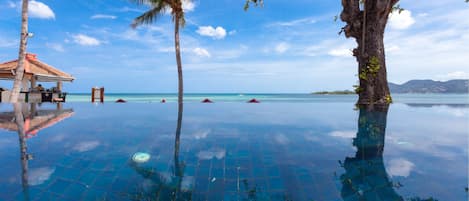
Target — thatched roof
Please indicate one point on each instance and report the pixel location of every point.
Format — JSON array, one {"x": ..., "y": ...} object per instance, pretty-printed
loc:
[{"x": 33, "y": 67}]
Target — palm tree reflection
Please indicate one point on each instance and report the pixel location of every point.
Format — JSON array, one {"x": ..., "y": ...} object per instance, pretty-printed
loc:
[
  {"x": 164, "y": 188},
  {"x": 27, "y": 121},
  {"x": 19, "y": 120}
]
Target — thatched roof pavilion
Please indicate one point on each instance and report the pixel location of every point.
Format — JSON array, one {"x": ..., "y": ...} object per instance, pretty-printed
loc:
[{"x": 34, "y": 71}]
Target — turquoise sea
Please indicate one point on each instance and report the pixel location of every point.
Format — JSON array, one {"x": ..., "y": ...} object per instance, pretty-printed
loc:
[
  {"x": 235, "y": 97},
  {"x": 290, "y": 147}
]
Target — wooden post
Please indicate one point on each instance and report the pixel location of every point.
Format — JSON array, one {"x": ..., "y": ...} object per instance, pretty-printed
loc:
[
  {"x": 101, "y": 98},
  {"x": 59, "y": 86},
  {"x": 92, "y": 95},
  {"x": 33, "y": 82}
]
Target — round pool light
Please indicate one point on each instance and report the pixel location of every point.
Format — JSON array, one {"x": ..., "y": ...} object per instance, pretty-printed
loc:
[{"x": 141, "y": 157}]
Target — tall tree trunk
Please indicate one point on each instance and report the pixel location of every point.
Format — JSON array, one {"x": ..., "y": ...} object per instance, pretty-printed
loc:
[
  {"x": 367, "y": 27},
  {"x": 178, "y": 60},
  {"x": 22, "y": 52}
]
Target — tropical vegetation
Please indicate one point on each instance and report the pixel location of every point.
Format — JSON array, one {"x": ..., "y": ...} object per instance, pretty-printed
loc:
[{"x": 158, "y": 8}]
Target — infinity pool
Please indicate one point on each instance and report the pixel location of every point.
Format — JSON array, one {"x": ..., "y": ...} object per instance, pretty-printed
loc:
[{"x": 234, "y": 151}]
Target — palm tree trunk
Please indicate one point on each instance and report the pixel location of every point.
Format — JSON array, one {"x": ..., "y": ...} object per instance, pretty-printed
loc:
[
  {"x": 22, "y": 52},
  {"x": 178, "y": 60}
]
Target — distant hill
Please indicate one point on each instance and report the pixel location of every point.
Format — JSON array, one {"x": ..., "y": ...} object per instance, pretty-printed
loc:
[{"x": 430, "y": 86}]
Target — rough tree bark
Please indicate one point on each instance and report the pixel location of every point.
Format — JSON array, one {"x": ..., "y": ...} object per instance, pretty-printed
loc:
[
  {"x": 22, "y": 52},
  {"x": 367, "y": 27}
]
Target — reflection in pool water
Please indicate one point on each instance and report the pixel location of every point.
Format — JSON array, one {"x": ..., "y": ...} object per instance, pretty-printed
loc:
[
  {"x": 366, "y": 177},
  {"x": 234, "y": 151}
]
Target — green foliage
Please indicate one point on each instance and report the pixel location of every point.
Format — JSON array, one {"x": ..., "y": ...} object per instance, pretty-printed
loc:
[
  {"x": 397, "y": 8},
  {"x": 372, "y": 68},
  {"x": 344, "y": 92},
  {"x": 388, "y": 99},
  {"x": 157, "y": 9},
  {"x": 255, "y": 2},
  {"x": 373, "y": 65},
  {"x": 363, "y": 75},
  {"x": 357, "y": 89}
]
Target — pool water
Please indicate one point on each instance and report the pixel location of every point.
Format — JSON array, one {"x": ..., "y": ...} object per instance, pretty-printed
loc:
[{"x": 234, "y": 151}]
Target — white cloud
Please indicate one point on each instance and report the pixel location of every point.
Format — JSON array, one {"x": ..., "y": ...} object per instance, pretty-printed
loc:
[
  {"x": 342, "y": 52},
  {"x": 4, "y": 42},
  {"x": 232, "y": 32},
  {"x": 343, "y": 134},
  {"x": 11, "y": 4},
  {"x": 402, "y": 20},
  {"x": 282, "y": 47},
  {"x": 202, "y": 134},
  {"x": 455, "y": 75},
  {"x": 302, "y": 21},
  {"x": 392, "y": 48},
  {"x": 102, "y": 16},
  {"x": 85, "y": 40},
  {"x": 86, "y": 146},
  {"x": 281, "y": 139},
  {"x": 213, "y": 153},
  {"x": 231, "y": 53},
  {"x": 188, "y": 5},
  {"x": 55, "y": 46},
  {"x": 201, "y": 52},
  {"x": 422, "y": 15},
  {"x": 40, "y": 10},
  {"x": 215, "y": 33},
  {"x": 187, "y": 183},
  {"x": 399, "y": 167},
  {"x": 38, "y": 176}
]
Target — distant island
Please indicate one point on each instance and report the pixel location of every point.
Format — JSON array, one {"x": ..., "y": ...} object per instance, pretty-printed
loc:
[
  {"x": 334, "y": 92},
  {"x": 430, "y": 86},
  {"x": 419, "y": 87}
]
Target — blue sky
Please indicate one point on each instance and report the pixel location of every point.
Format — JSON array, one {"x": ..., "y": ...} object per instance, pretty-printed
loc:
[{"x": 286, "y": 46}]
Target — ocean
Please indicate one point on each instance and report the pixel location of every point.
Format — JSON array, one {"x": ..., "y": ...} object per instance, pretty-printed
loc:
[{"x": 235, "y": 97}]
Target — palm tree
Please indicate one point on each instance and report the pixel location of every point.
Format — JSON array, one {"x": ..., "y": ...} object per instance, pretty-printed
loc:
[
  {"x": 20, "y": 69},
  {"x": 158, "y": 8}
]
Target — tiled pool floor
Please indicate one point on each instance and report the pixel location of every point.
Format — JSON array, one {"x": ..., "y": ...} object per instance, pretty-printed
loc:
[{"x": 275, "y": 151}]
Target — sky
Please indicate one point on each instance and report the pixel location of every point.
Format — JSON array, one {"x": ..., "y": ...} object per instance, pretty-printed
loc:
[{"x": 282, "y": 47}]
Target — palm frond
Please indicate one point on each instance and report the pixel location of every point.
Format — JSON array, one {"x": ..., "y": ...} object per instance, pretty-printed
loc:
[{"x": 159, "y": 7}]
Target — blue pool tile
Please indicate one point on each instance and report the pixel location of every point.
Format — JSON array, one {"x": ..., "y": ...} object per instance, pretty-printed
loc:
[
  {"x": 47, "y": 196},
  {"x": 103, "y": 182},
  {"x": 74, "y": 190},
  {"x": 82, "y": 163},
  {"x": 217, "y": 173},
  {"x": 88, "y": 177},
  {"x": 59, "y": 186},
  {"x": 93, "y": 194},
  {"x": 120, "y": 185},
  {"x": 29, "y": 194},
  {"x": 276, "y": 184}
]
